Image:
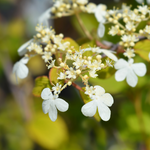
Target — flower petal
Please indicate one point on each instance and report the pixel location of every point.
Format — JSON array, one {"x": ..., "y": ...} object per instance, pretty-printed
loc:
[
  {"x": 139, "y": 69},
  {"x": 22, "y": 50},
  {"x": 46, "y": 106},
  {"x": 110, "y": 54},
  {"x": 52, "y": 111},
  {"x": 24, "y": 60},
  {"x": 22, "y": 71},
  {"x": 132, "y": 78},
  {"x": 101, "y": 30},
  {"x": 46, "y": 94},
  {"x": 99, "y": 90},
  {"x": 121, "y": 74},
  {"x": 121, "y": 63},
  {"x": 104, "y": 111},
  {"x": 107, "y": 99},
  {"x": 89, "y": 109},
  {"x": 61, "y": 105}
]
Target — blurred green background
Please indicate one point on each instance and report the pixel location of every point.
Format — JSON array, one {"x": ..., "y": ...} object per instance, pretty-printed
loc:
[{"x": 23, "y": 125}]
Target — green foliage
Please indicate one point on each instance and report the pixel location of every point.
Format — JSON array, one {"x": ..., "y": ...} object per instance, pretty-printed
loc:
[
  {"x": 48, "y": 134},
  {"x": 87, "y": 99},
  {"x": 40, "y": 83},
  {"x": 89, "y": 21},
  {"x": 106, "y": 73},
  {"x": 53, "y": 75},
  {"x": 142, "y": 48}
]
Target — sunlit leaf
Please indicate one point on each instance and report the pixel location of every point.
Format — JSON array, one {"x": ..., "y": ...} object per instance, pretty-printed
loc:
[
  {"x": 48, "y": 134},
  {"x": 40, "y": 83},
  {"x": 87, "y": 99},
  {"x": 142, "y": 48},
  {"x": 54, "y": 74}
]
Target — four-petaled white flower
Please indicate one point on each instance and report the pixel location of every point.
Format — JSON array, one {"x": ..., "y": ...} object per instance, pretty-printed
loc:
[
  {"x": 100, "y": 100},
  {"x": 51, "y": 103},
  {"x": 129, "y": 71},
  {"x": 20, "y": 68}
]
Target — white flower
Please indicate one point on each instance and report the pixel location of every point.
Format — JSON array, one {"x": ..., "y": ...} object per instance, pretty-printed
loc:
[
  {"x": 100, "y": 12},
  {"x": 129, "y": 71},
  {"x": 90, "y": 8},
  {"x": 71, "y": 73},
  {"x": 56, "y": 88},
  {"x": 52, "y": 64},
  {"x": 63, "y": 46},
  {"x": 78, "y": 63},
  {"x": 62, "y": 76},
  {"x": 47, "y": 56},
  {"x": 89, "y": 90},
  {"x": 51, "y": 103},
  {"x": 143, "y": 9},
  {"x": 20, "y": 69},
  {"x": 129, "y": 53},
  {"x": 46, "y": 39},
  {"x": 113, "y": 31},
  {"x": 100, "y": 100},
  {"x": 92, "y": 73},
  {"x": 23, "y": 48},
  {"x": 130, "y": 26}
]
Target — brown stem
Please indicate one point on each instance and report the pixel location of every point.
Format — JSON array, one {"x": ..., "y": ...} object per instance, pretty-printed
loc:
[
  {"x": 77, "y": 86},
  {"x": 83, "y": 27}
]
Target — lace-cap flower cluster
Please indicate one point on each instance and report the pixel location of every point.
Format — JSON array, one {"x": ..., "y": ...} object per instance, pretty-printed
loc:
[{"x": 72, "y": 61}]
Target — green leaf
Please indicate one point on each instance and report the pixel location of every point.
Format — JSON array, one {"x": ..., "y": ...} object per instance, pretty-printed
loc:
[
  {"x": 40, "y": 84},
  {"x": 87, "y": 99},
  {"x": 48, "y": 134},
  {"x": 54, "y": 74},
  {"x": 72, "y": 43},
  {"x": 106, "y": 73},
  {"x": 89, "y": 21},
  {"x": 142, "y": 48}
]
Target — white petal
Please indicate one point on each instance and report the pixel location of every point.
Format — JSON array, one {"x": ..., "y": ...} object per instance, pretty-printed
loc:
[
  {"x": 22, "y": 71},
  {"x": 52, "y": 112},
  {"x": 46, "y": 94},
  {"x": 121, "y": 63},
  {"x": 24, "y": 60},
  {"x": 61, "y": 105},
  {"x": 46, "y": 106},
  {"x": 89, "y": 109},
  {"x": 101, "y": 30},
  {"x": 99, "y": 90},
  {"x": 139, "y": 69},
  {"x": 109, "y": 54},
  {"x": 121, "y": 74},
  {"x": 131, "y": 78},
  {"x": 107, "y": 99},
  {"x": 104, "y": 111},
  {"x": 22, "y": 50},
  {"x": 140, "y": 1},
  {"x": 43, "y": 19}
]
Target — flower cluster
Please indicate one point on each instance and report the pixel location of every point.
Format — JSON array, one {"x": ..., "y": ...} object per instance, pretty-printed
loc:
[{"x": 73, "y": 62}]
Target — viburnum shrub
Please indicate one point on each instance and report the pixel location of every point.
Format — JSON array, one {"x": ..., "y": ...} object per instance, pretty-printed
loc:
[{"x": 68, "y": 61}]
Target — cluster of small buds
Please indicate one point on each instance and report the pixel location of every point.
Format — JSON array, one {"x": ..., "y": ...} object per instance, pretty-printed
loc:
[
  {"x": 128, "y": 28},
  {"x": 67, "y": 8}
]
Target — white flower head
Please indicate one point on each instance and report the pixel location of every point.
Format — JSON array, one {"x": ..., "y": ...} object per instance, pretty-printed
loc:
[
  {"x": 62, "y": 76},
  {"x": 82, "y": 2},
  {"x": 129, "y": 70},
  {"x": 130, "y": 26},
  {"x": 147, "y": 29},
  {"x": 100, "y": 101},
  {"x": 129, "y": 53},
  {"x": 57, "y": 88},
  {"x": 71, "y": 73},
  {"x": 20, "y": 68},
  {"x": 47, "y": 56},
  {"x": 51, "y": 103}
]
